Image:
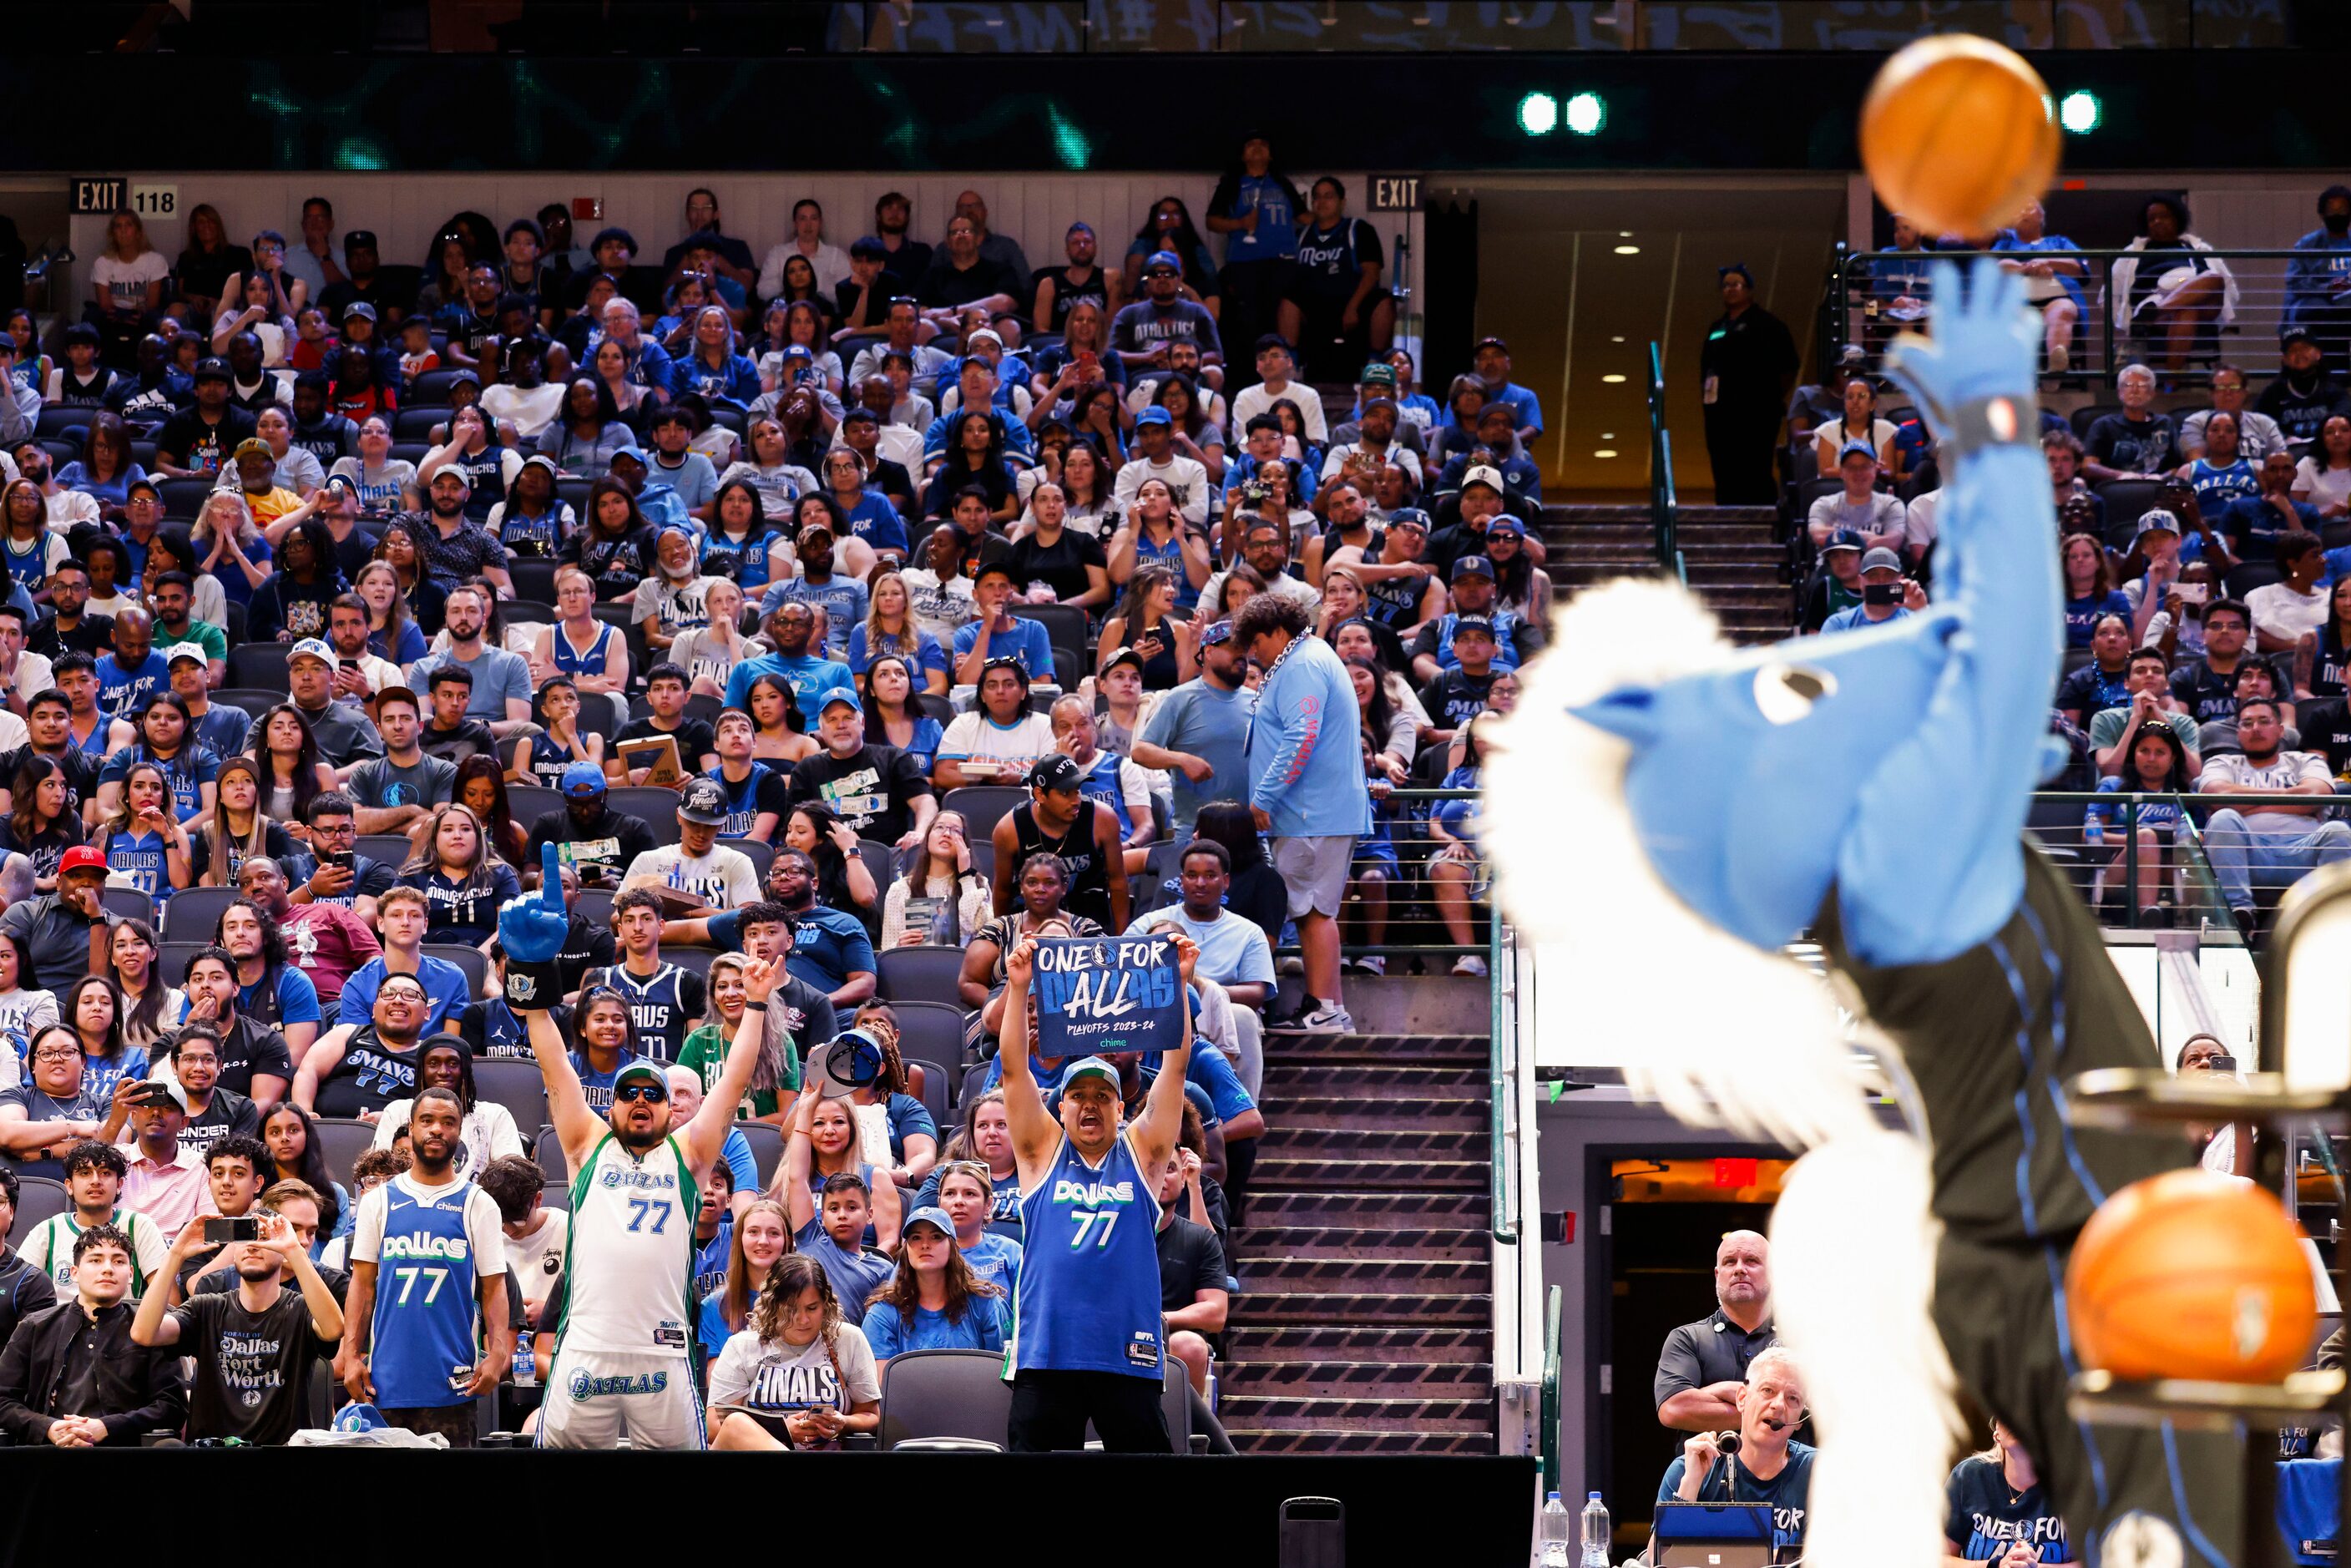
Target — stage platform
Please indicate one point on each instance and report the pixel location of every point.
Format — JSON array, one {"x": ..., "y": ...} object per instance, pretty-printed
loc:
[{"x": 348, "y": 1507}]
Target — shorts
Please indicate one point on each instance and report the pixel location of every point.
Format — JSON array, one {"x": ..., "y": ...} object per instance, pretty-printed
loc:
[
  {"x": 595, "y": 1399},
  {"x": 455, "y": 1423},
  {"x": 1316, "y": 870}
]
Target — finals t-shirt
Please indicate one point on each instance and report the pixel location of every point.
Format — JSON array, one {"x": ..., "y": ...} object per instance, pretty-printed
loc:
[{"x": 253, "y": 1369}]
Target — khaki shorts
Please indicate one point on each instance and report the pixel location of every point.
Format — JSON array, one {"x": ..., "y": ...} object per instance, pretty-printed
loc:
[{"x": 1316, "y": 870}]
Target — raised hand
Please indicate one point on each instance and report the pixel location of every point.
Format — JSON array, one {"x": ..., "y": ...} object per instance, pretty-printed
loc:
[{"x": 1984, "y": 345}]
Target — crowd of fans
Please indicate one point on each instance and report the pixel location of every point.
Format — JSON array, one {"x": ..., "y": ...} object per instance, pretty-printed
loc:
[
  {"x": 2205, "y": 545},
  {"x": 314, "y": 565}
]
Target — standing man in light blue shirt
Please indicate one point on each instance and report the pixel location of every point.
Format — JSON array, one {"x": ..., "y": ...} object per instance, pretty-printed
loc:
[
  {"x": 1196, "y": 732},
  {"x": 1306, "y": 785}
]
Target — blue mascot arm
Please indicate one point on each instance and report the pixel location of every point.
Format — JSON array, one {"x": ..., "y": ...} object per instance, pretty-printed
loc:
[{"x": 1932, "y": 863}]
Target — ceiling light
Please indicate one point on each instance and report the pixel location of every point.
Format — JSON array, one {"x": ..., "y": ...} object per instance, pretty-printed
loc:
[{"x": 1605, "y": 452}]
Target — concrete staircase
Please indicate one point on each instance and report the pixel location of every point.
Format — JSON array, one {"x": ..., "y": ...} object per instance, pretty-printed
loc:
[
  {"x": 1733, "y": 559},
  {"x": 1365, "y": 1321}
]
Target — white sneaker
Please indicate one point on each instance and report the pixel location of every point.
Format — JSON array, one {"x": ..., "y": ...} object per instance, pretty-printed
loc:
[
  {"x": 1331, "y": 1019},
  {"x": 2061, "y": 359},
  {"x": 1375, "y": 964},
  {"x": 1469, "y": 964}
]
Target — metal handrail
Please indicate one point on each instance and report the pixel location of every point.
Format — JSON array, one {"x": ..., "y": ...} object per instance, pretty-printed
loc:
[
  {"x": 1501, "y": 1085},
  {"x": 1662, "y": 510},
  {"x": 1550, "y": 1392}
]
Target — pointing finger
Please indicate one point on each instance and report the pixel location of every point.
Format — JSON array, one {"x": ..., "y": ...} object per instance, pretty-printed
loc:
[{"x": 550, "y": 884}]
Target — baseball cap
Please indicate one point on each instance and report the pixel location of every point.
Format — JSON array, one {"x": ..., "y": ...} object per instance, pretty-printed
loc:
[
  {"x": 2295, "y": 332},
  {"x": 849, "y": 1061},
  {"x": 996, "y": 568},
  {"x": 1273, "y": 340},
  {"x": 816, "y": 526},
  {"x": 583, "y": 781},
  {"x": 1222, "y": 632},
  {"x": 1861, "y": 448},
  {"x": 1881, "y": 559},
  {"x": 840, "y": 697},
  {"x": 632, "y": 452},
  {"x": 363, "y": 238},
  {"x": 1482, "y": 475},
  {"x": 414, "y": 701},
  {"x": 1155, "y": 414},
  {"x": 651, "y": 1072},
  {"x": 1414, "y": 518},
  {"x": 212, "y": 370},
  {"x": 1058, "y": 771},
  {"x": 930, "y": 1214},
  {"x": 987, "y": 333},
  {"x": 82, "y": 857},
  {"x": 1125, "y": 654},
  {"x": 311, "y": 648},
  {"x": 703, "y": 803},
  {"x": 359, "y": 311},
  {"x": 1472, "y": 566},
  {"x": 464, "y": 378},
  {"x": 1489, "y": 342},
  {"x": 1090, "y": 1067},
  {"x": 1377, "y": 374},
  {"x": 1166, "y": 259},
  {"x": 1462, "y": 623},
  {"x": 1844, "y": 538},
  {"x": 148, "y": 486},
  {"x": 358, "y": 1417},
  {"x": 179, "y": 651},
  {"x": 1507, "y": 524},
  {"x": 451, "y": 471},
  {"x": 254, "y": 446},
  {"x": 1854, "y": 354},
  {"x": 2158, "y": 519}
]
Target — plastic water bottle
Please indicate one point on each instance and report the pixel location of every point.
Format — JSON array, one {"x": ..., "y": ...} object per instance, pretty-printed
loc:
[
  {"x": 1595, "y": 1533},
  {"x": 1554, "y": 1534}
]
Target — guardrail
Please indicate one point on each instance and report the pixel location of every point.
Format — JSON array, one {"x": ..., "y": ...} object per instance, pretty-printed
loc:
[
  {"x": 1502, "y": 1073},
  {"x": 1413, "y": 928},
  {"x": 2107, "y": 870},
  {"x": 1664, "y": 520},
  {"x": 1550, "y": 1392},
  {"x": 1875, "y": 294}
]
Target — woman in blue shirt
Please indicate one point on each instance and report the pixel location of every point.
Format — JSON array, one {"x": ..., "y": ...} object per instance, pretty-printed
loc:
[
  {"x": 891, "y": 719},
  {"x": 869, "y": 514},
  {"x": 933, "y": 1302},
  {"x": 762, "y": 1235},
  {"x": 2090, "y": 591},
  {"x": 712, "y": 368},
  {"x": 740, "y": 537},
  {"x": 2156, "y": 764},
  {"x": 889, "y": 628},
  {"x": 144, "y": 845},
  {"x": 105, "y": 469},
  {"x": 464, "y": 883}
]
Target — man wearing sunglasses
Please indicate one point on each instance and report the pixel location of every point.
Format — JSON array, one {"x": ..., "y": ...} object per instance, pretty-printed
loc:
[{"x": 625, "y": 1365}]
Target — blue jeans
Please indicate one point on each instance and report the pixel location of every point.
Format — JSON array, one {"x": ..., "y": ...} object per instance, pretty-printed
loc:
[{"x": 2242, "y": 856}]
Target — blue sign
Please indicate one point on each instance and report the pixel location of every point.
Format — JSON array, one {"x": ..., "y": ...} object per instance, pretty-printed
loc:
[{"x": 1101, "y": 995}]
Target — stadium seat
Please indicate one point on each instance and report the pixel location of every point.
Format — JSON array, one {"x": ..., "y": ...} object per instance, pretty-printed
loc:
[
  {"x": 767, "y": 1141},
  {"x": 945, "y": 1398},
  {"x": 431, "y": 390},
  {"x": 525, "y": 608},
  {"x": 59, "y": 418},
  {"x": 936, "y": 706},
  {"x": 548, "y": 1149},
  {"x": 984, "y": 805},
  {"x": 470, "y": 959},
  {"x": 2246, "y": 576},
  {"x": 922, "y": 974},
  {"x": 529, "y": 803},
  {"x": 975, "y": 1084},
  {"x": 392, "y": 848},
  {"x": 39, "y": 1198},
  {"x": 253, "y": 700},
  {"x": 183, "y": 498},
  {"x": 657, "y": 807},
  {"x": 760, "y": 854},
  {"x": 517, "y": 1086},
  {"x": 881, "y": 863},
  {"x": 171, "y": 958},
  {"x": 594, "y": 904},
  {"x": 573, "y": 493},
  {"x": 341, "y": 1141},
  {"x": 259, "y": 666},
  {"x": 1065, "y": 624},
  {"x": 129, "y": 903},
  {"x": 556, "y": 1195},
  {"x": 932, "y": 1034},
  {"x": 2126, "y": 501},
  {"x": 415, "y": 422},
  {"x": 694, "y": 960},
  {"x": 2088, "y": 415},
  {"x": 534, "y": 579},
  {"x": 193, "y": 912}
]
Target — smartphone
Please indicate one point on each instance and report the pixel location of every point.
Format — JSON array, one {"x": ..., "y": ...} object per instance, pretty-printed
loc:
[
  {"x": 219, "y": 1232},
  {"x": 152, "y": 1094},
  {"x": 2220, "y": 1064},
  {"x": 2192, "y": 592}
]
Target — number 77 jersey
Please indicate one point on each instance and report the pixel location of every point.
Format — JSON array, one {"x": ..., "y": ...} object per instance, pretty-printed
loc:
[
  {"x": 1089, "y": 1291},
  {"x": 631, "y": 1256}
]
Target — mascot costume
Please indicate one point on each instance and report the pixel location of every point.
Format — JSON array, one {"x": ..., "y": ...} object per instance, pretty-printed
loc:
[{"x": 1871, "y": 787}]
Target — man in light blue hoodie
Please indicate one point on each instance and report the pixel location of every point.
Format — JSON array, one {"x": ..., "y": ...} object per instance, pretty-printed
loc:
[{"x": 1306, "y": 784}]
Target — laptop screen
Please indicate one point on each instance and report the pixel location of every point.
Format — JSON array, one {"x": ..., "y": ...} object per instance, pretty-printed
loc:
[{"x": 1725, "y": 1523}]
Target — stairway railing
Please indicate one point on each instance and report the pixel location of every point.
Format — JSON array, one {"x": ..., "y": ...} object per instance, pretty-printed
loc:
[
  {"x": 1550, "y": 1392},
  {"x": 1662, "y": 506}
]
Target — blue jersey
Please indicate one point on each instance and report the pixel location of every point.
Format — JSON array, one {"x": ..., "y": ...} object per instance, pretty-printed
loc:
[
  {"x": 745, "y": 560},
  {"x": 596, "y": 1087},
  {"x": 424, "y": 1331},
  {"x": 1089, "y": 1292},
  {"x": 1101, "y": 784},
  {"x": 136, "y": 860},
  {"x": 572, "y": 661},
  {"x": 2217, "y": 488}
]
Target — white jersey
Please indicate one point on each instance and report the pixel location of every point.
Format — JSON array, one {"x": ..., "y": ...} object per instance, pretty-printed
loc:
[{"x": 630, "y": 1252}]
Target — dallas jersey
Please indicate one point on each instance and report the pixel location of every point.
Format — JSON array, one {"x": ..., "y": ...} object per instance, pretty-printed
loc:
[
  {"x": 426, "y": 1328},
  {"x": 1089, "y": 1292},
  {"x": 666, "y": 1006},
  {"x": 630, "y": 1252}
]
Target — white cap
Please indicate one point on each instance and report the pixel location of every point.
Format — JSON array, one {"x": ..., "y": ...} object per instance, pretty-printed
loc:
[{"x": 179, "y": 651}]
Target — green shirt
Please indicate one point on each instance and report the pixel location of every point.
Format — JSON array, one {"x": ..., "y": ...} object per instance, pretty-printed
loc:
[
  {"x": 706, "y": 1052},
  {"x": 2106, "y": 728},
  {"x": 203, "y": 633}
]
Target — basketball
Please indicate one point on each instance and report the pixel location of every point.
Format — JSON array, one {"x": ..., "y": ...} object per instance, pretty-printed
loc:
[
  {"x": 1958, "y": 134},
  {"x": 2193, "y": 1275}
]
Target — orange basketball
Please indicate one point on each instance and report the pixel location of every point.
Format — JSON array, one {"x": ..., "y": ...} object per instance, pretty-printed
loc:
[
  {"x": 2191, "y": 1274},
  {"x": 1958, "y": 134}
]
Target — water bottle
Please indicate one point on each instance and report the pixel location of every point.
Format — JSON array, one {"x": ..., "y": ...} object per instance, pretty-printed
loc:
[
  {"x": 1554, "y": 1534},
  {"x": 1595, "y": 1533},
  {"x": 525, "y": 1363}
]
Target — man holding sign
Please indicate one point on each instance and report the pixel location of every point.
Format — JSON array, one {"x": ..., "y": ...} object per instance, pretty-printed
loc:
[{"x": 1088, "y": 1341}]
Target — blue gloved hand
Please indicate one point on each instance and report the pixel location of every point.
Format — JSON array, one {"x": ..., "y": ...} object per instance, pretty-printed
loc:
[
  {"x": 532, "y": 929},
  {"x": 1986, "y": 344}
]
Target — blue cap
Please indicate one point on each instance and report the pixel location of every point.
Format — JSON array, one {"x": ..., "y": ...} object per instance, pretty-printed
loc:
[
  {"x": 797, "y": 351},
  {"x": 935, "y": 1215},
  {"x": 1844, "y": 538},
  {"x": 1472, "y": 566},
  {"x": 1222, "y": 632},
  {"x": 630, "y": 450},
  {"x": 1163, "y": 258},
  {"x": 1091, "y": 1066},
  {"x": 583, "y": 781},
  {"x": 1155, "y": 414},
  {"x": 356, "y": 1418},
  {"x": 1507, "y": 524},
  {"x": 840, "y": 697},
  {"x": 1863, "y": 447}
]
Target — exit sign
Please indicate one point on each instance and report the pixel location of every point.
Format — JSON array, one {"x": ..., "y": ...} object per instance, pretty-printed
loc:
[
  {"x": 99, "y": 193},
  {"x": 1395, "y": 192}
]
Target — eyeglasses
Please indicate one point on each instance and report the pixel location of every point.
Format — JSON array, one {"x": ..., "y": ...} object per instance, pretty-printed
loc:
[
  {"x": 59, "y": 1053},
  {"x": 404, "y": 994},
  {"x": 650, "y": 1094},
  {"x": 335, "y": 829}
]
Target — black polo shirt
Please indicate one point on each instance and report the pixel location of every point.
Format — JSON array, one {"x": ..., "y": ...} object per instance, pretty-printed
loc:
[{"x": 1712, "y": 1350}]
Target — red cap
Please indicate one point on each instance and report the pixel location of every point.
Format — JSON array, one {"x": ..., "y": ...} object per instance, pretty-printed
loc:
[{"x": 81, "y": 857}]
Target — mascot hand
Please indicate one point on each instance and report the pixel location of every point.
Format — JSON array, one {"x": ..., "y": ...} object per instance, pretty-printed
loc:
[
  {"x": 531, "y": 928},
  {"x": 1985, "y": 345}
]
